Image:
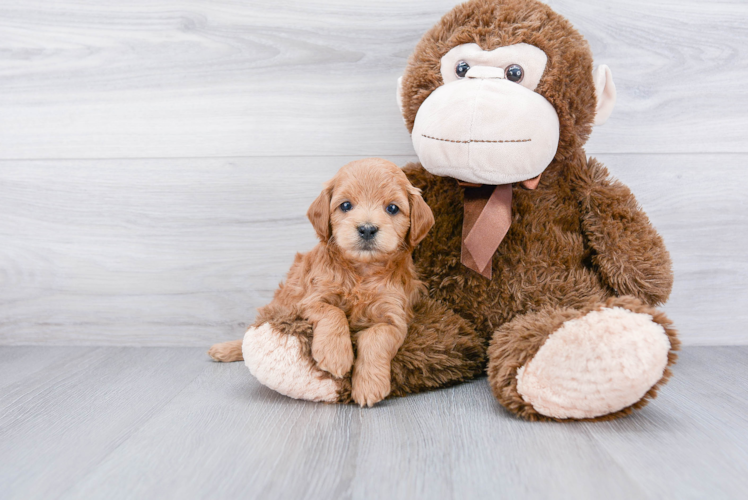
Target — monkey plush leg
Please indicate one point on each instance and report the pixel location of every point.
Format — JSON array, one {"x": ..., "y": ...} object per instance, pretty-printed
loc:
[
  {"x": 283, "y": 362},
  {"x": 278, "y": 352},
  {"x": 441, "y": 349},
  {"x": 600, "y": 361}
]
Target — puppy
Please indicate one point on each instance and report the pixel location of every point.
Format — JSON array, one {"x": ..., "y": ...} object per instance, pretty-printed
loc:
[{"x": 360, "y": 279}]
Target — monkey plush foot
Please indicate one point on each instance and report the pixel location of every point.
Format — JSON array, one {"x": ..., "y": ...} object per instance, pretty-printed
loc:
[
  {"x": 597, "y": 363},
  {"x": 283, "y": 362}
]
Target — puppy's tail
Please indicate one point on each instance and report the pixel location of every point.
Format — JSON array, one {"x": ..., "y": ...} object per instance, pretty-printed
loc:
[{"x": 226, "y": 352}]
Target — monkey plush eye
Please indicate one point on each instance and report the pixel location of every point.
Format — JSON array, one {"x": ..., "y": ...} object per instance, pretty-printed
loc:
[
  {"x": 515, "y": 73},
  {"x": 346, "y": 206},
  {"x": 461, "y": 69},
  {"x": 392, "y": 209}
]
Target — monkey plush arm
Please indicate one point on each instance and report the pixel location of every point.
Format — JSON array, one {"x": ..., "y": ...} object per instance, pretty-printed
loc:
[{"x": 628, "y": 253}]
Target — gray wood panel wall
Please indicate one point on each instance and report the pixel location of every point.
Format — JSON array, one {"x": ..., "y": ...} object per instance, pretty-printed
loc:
[{"x": 157, "y": 156}]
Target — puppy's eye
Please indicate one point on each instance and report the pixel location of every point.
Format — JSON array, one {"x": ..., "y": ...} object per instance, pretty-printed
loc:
[
  {"x": 461, "y": 69},
  {"x": 392, "y": 209},
  {"x": 346, "y": 206}
]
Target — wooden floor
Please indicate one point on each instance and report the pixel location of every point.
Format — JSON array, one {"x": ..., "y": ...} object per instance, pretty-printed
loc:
[{"x": 165, "y": 422}]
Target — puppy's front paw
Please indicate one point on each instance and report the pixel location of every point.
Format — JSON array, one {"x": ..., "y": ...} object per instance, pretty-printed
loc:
[
  {"x": 333, "y": 353},
  {"x": 371, "y": 384}
]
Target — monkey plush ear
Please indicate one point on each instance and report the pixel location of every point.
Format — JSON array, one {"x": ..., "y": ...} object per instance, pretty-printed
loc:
[
  {"x": 421, "y": 217},
  {"x": 400, "y": 94},
  {"x": 605, "y": 92},
  {"x": 319, "y": 214}
]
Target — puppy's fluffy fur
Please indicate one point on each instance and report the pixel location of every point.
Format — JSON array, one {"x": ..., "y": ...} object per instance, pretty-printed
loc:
[{"x": 359, "y": 281}]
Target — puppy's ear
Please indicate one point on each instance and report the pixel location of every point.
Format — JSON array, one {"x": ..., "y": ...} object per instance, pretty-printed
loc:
[
  {"x": 421, "y": 217},
  {"x": 319, "y": 213}
]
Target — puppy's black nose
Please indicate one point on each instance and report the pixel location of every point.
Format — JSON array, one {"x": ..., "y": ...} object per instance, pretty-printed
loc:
[{"x": 367, "y": 231}]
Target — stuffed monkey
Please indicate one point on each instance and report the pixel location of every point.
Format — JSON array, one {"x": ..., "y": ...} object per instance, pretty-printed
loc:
[{"x": 542, "y": 270}]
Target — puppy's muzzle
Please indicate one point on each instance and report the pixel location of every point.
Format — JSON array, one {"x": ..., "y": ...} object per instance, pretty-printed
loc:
[{"x": 367, "y": 232}]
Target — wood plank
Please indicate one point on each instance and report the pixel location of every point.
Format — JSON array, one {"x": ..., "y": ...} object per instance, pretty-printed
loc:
[
  {"x": 160, "y": 252},
  {"x": 460, "y": 443},
  {"x": 166, "y": 423},
  {"x": 658, "y": 53},
  {"x": 236, "y": 439},
  {"x": 59, "y": 423},
  {"x": 181, "y": 252},
  {"x": 693, "y": 441},
  {"x": 226, "y": 436},
  {"x": 20, "y": 362},
  {"x": 165, "y": 78}
]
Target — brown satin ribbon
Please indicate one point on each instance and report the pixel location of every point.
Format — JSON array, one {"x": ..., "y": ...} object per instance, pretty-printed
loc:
[{"x": 486, "y": 220}]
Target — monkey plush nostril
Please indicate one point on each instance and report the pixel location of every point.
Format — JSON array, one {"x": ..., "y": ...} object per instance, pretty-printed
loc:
[
  {"x": 485, "y": 72},
  {"x": 367, "y": 231}
]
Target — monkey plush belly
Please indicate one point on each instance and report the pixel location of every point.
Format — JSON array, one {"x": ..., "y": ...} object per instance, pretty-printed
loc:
[{"x": 543, "y": 260}]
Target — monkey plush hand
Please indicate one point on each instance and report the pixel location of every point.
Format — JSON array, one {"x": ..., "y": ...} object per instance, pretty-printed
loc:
[{"x": 540, "y": 266}]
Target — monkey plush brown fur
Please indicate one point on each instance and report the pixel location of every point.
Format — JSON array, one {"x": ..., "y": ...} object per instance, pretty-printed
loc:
[
  {"x": 548, "y": 269},
  {"x": 565, "y": 325}
]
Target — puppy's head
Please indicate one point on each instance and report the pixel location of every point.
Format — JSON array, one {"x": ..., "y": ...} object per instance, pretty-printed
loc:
[{"x": 370, "y": 211}]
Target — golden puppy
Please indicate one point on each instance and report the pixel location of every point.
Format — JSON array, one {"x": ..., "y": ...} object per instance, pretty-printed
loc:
[{"x": 360, "y": 279}]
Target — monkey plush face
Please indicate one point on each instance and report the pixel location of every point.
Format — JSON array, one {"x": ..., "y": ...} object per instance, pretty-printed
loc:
[
  {"x": 486, "y": 124},
  {"x": 514, "y": 90}
]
